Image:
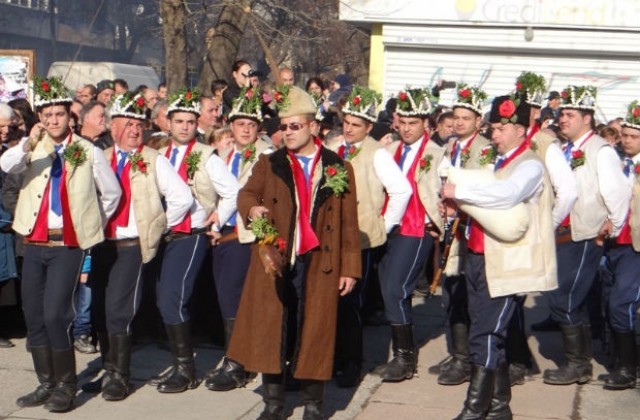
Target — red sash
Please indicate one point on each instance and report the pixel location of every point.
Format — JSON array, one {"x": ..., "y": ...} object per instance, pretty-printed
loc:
[
  {"x": 185, "y": 225},
  {"x": 308, "y": 238},
  {"x": 121, "y": 216},
  {"x": 41, "y": 228},
  {"x": 412, "y": 223},
  {"x": 476, "y": 232},
  {"x": 533, "y": 132},
  {"x": 625, "y": 234}
]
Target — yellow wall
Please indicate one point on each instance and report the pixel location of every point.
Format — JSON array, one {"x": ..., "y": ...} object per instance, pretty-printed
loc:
[{"x": 376, "y": 59}]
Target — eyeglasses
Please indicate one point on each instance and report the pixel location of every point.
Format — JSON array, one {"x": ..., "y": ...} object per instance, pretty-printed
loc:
[{"x": 292, "y": 126}]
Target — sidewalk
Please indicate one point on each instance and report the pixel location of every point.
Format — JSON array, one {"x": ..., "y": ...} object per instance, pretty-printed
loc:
[{"x": 419, "y": 398}]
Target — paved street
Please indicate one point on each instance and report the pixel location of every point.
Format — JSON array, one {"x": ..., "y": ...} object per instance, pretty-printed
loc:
[{"x": 420, "y": 398}]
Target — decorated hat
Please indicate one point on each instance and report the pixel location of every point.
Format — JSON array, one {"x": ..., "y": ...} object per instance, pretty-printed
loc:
[
  {"x": 363, "y": 102},
  {"x": 294, "y": 101},
  {"x": 531, "y": 86},
  {"x": 184, "y": 100},
  {"x": 318, "y": 99},
  {"x": 632, "y": 119},
  {"x": 248, "y": 104},
  {"x": 414, "y": 102},
  {"x": 128, "y": 106},
  {"x": 470, "y": 98},
  {"x": 579, "y": 97},
  {"x": 510, "y": 110},
  {"x": 50, "y": 91}
]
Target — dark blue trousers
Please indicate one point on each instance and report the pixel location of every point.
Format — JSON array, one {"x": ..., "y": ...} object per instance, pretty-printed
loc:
[
  {"x": 490, "y": 317},
  {"x": 49, "y": 279},
  {"x": 622, "y": 278},
  {"x": 577, "y": 268},
  {"x": 230, "y": 264},
  {"x": 181, "y": 262},
  {"x": 398, "y": 273},
  {"x": 116, "y": 283}
]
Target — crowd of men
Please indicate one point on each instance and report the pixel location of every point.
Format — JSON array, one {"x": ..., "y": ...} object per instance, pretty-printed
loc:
[{"x": 317, "y": 209}]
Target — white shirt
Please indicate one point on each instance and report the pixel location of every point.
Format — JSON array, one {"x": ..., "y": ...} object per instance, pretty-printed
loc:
[
  {"x": 563, "y": 182},
  {"x": 525, "y": 181},
  {"x": 462, "y": 144},
  {"x": 15, "y": 160},
  {"x": 177, "y": 195},
  {"x": 225, "y": 184}
]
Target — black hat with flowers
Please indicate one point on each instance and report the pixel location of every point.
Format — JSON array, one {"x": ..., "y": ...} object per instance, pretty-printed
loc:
[
  {"x": 50, "y": 91},
  {"x": 129, "y": 106},
  {"x": 363, "y": 102},
  {"x": 470, "y": 97},
  {"x": 415, "y": 102},
  {"x": 510, "y": 110},
  {"x": 248, "y": 104},
  {"x": 184, "y": 100},
  {"x": 632, "y": 119},
  {"x": 531, "y": 86},
  {"x": 579, "y": 97}
]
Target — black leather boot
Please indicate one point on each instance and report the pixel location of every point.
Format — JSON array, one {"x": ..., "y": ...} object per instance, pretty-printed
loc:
[
  {"x": 228, "y": 330},
  {"x": 231, "y": 374},
  {"x": 458, "y": 370},
  {"x": 624, "y": 375},
  {"x": 404, "y": 362},
  {"x": 521, "y": 363},
  {"x": 95, "y": 387},
  {"x": 184, "y": 374},
  {"x": 64, "y": 373},
  {"x": 312, "y": 398},
  {"x": 479, "y": 394},
  {"x": 273, "y": 397},
  {"x": 115, "y": 385},
  {"x": 499, "y": 408},
  {"x": 577, "y": 368},
  {"x": 43, "y": 365}
]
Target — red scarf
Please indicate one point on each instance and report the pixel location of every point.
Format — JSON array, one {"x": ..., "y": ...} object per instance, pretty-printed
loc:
[
  {"x": 185, "y": 225},
  {"x": 308, "y": 238},
  {"x": 533, "y": 132},
  {"x": 412, "y": 223},
  {"x": 121, "y": 217},
  {"x": 476, "y": 232},
  {"x": 41, "y": 228}
]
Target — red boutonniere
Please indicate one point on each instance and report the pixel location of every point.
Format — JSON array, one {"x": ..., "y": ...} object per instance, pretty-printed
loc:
[
  {"x": 192, "y": 160},
  {"x": 249, "y": 154},
  {"x": 465, "y": 154},
  {"x": 487, "y": 155},
  {"x": 352, "y": 152},
  {"x": 425, "y": 164},
  {"x": 336, "y": 179},
  {"x": 577, "y": 159},
  {"x": 75, "y": 155},
  {"x": 636, "y": 169},
  {"x": 138, "y": 163}
]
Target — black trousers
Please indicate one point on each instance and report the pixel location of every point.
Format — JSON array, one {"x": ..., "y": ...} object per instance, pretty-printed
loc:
[
  {"x": 49, "y": 279},
  {"x": 116, "y": 282}
]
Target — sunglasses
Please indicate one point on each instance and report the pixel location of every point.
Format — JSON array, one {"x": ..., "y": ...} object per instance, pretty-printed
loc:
[{"x": 292, "y": 126}]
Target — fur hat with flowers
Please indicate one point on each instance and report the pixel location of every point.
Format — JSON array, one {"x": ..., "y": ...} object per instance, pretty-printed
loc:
[
  {"x": 531, "y": 86},
  {"x": 632, "y": 119},
  {"x": 363, "y": 102},
  {"x": 49, "y": 92},
  {"x": 248, "y": 104},
  {"x": 184, "y": 100},
  {"x": 579, "y": 97},
  {"x": 470, "y": 97},
  {"x": 415, "y": 102},
  {"x": 128, "y": 106}
]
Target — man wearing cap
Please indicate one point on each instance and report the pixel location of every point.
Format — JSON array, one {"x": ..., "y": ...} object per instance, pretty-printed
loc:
[
  {"x": 410, "y": 243},
  {"x": 184, "y": 248},
  {"x": 105, "y": 91},
  {"x": 496, "y": 270},
  {"x": 552, "y": 110},
  {"x": 308, "y": 195},
  {"x": 155, "y": 198},
  {"x": 467, "y": 149},
  {"x": 621, "y": 275},
  {"x": 232, "y": 252},
  {"x": 598, "y": 213},
  {"x": 68, "y": 194},
  {"x": 375, "y": 173}
]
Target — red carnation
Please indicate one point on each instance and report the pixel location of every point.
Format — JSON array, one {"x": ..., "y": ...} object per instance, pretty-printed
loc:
[
  {"x": 249, "y": 94},
  {"x": 423, "y": 163},
  {"x": 77, "y": 154},
  {"x": 45, "y": 86},
  {"x": 484, "y": 152},
  {"x": 278, "y": 97},
  {"x": 356, "y": 100},
  {"x": 247, "y": 154},
  {"x": 636, "y": 112},
  {"x": 577, "y": 154},
  {"x": 464, "y": 93},
  {"x": 282, "y": 244},
  {"x": 507, "y": 109},
  {"x": 402, "y": 96},
  {"x": 331, "y": 171},
  {"x": 636, "y": 169},
  {"x": 564, "y": 94},
  {"x": 518, "y": 86},
  {"x": 188, "y": 95},
  {"x": 140, "y": 102},
  {"x": 352, "y": 150}
]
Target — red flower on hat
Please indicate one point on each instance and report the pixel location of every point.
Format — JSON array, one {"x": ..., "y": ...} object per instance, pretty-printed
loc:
[
  {"x": 564, "y": 94},
  {"x": 45, "y": 86},
  {"x": 636, "y": 112},
  {"x": 331, "y": 171},
  {"x": 249, "y": 94},
  {"x": 402, "y": 96},
  {"x": 188, "y": 95},
  {"x": 518, "y": 86},
  {"x": 356, "y": 100},
  {"x": 464, "y": 93},
  {"x": 140, "y": 102},
  {"x": 278, "y": 96},
  {"x": 506, "y": 109}
]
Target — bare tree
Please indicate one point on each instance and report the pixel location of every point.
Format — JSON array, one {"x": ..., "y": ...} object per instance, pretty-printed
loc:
[{"x": 173, "y": 13}]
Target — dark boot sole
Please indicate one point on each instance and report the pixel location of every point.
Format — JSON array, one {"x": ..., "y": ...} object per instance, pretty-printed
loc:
[{"x": 579, "y": 381}]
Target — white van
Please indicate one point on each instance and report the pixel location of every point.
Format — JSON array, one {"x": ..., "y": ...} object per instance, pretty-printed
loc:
[{"x": 75, "y": 74}]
